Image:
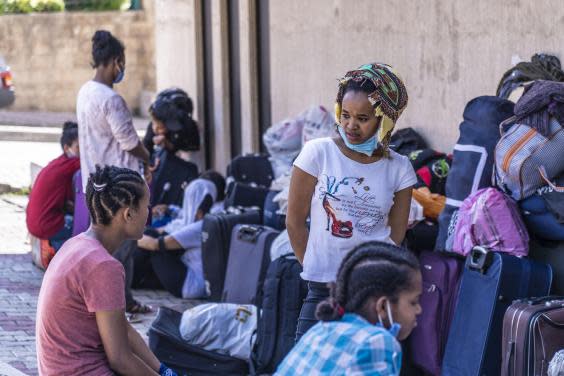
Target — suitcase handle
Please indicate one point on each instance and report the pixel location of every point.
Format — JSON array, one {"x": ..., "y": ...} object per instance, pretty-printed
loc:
[
  {"x": 249, "y": 233},
  {"x": 479, "y": 259}
]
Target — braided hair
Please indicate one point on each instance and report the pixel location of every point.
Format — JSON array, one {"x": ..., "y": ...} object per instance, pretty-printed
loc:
[
  {"x": 111, "y": 188},
  {"x": 372, "y": 269},
  {"x": 105, "y": 48}
]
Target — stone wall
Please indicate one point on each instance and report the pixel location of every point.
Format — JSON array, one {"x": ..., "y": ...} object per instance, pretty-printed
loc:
[
  {"x": 50, "y": 55},
  {"x": 448, "y": 52}
]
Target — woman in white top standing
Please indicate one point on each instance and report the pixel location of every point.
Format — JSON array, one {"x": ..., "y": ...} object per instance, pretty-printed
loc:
[
  {"x": 106, "y": 133},
  {"x": 353, "y": 187}
]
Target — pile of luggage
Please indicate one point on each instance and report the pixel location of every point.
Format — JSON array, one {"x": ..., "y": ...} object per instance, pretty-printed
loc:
[
  {"x": 493, "y": 283},
  {"x": 242, "y": 279}
]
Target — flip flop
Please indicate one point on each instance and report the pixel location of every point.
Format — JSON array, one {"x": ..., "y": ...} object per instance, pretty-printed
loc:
[{"x": 138, "y": 307}]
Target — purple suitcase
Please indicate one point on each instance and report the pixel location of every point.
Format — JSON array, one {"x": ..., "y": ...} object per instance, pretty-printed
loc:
[
  {"x": 81, "y": 218},
  {"x": 441, "y": 278}
]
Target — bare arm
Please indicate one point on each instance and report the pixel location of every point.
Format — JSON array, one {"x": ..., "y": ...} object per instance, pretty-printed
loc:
[
  {"x": 113, "y": 330},
  {"x": 140, "y": 152},
  {"x": 399, "y": 214},
  {"x": 141, "y": 349},
  {"x": 302, "y": 187},
  {"x": 152, "y": 244}
]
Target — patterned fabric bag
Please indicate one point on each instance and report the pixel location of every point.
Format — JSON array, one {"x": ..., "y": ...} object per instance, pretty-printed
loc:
[
  {"x": 490, "y": 219},
  {"x": 526, "y": 160}
]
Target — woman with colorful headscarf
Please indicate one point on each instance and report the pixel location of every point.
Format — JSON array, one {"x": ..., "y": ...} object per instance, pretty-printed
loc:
[{"x": 353, "y": 187}]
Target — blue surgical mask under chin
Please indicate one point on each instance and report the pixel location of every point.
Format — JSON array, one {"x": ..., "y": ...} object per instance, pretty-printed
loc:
[
  {"x": 120, "y": 76},
  {"x": 394, "y": 328},
  {"x": 367, "y": 147}
]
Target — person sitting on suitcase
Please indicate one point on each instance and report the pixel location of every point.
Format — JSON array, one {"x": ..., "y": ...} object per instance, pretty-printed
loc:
[
  {"x": 162, "y": 214},
  {"x": 373, "y": 305},
  {"x": 51, "y": 201},
  {"x": 81, "y": 326},
  {"x": 352, "y": 186},
  {"x": 172, "y": 258}
]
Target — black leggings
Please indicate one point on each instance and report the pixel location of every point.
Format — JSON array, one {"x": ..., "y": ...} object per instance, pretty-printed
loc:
[
  {"x": 158, "y": 270},
  {"x": 316, "y": 293}
]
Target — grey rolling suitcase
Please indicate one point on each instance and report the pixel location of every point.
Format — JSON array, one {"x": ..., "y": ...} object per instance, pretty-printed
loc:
[{"x": 249, "y": 257}]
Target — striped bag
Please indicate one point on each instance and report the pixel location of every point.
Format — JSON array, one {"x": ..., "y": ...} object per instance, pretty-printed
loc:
[
  {"x": 525, "y": 160},
  {"x": 491, "y": 219}
]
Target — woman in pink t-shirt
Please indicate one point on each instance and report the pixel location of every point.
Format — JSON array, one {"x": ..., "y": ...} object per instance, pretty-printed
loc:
[{"x": 81, "y": 325}]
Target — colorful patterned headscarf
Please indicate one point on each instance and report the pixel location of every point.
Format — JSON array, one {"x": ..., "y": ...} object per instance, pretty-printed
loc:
[{"x": 389, "y": 99}]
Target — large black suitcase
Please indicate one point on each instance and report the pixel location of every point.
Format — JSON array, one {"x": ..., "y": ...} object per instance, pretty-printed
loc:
[
  {"x": 216, "y": 240},
  {"x": 168, "y": 346},
  {"x": 240, "y": 194},
  {"x": 490, "y": 282},
  {"x": 170, "y": 178},
  {"x": 249, "y": 258},
  {"x": 251, "y": 169}
]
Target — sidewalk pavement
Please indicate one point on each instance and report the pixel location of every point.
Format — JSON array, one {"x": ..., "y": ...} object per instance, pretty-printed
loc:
[
  {"x": 39, "y": 126},
  {"x": 20, "y": 282}
]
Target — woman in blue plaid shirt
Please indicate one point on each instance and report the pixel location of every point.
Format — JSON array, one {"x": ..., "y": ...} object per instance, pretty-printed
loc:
[{"x": 373, "y": 305}]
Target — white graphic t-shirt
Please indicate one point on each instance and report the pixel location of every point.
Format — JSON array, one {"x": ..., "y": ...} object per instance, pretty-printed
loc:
[{"x": 350, "y": 204}]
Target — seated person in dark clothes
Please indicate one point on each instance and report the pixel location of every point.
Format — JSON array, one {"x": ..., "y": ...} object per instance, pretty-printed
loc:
[
  {"x": 172, "y": 127},
  {"x": 51, "y": 201},
  {"x": 171, "y": 258}
]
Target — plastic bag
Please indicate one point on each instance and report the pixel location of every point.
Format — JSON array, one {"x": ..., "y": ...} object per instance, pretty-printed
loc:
[
  {"x": 221, "y": 327},
  {"x": 281, "y": 246},
  {"x": 317, "y": 123}
]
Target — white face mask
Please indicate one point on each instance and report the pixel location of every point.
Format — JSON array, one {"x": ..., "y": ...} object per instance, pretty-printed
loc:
[{"x": 394, "y": 328}]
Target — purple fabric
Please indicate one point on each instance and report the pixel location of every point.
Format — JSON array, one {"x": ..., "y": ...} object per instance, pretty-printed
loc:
[
  {"x": 541, "y": 100},
  {"x": 490, "y": 219},
  {"x": 81, "y": 219}
]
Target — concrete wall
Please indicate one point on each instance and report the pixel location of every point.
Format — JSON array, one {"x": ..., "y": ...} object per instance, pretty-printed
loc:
[
  {"x": 448, "y": 52},
  {"x": 50, "y": 55}
]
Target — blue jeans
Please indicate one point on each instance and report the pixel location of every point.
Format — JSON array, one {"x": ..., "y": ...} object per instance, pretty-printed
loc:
[
  {"x": 63, "y": 235},
  {"x": 316, "y": 293}
]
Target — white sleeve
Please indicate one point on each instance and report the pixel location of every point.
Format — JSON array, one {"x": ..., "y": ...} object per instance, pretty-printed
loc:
[
  {"x": 121, "y": 123},
  {"x": 406, "y": 174},
  {"x": 308, "y": 159}
]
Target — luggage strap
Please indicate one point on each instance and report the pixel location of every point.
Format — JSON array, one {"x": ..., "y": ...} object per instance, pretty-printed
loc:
[{"x": 544, "y": 177}]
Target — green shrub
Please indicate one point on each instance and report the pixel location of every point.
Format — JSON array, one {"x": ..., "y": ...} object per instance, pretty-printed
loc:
[
  {"x": 28, "y": 6},
  {"x": 17, "y": 6},
  {"x": 94, "y": 4},
  {"x": 48, "y": 5}
]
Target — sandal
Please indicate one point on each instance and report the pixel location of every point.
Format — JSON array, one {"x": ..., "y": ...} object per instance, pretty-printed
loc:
[
  {"x": 138, "y": 307},
  {"x": 132, "y": 318}
]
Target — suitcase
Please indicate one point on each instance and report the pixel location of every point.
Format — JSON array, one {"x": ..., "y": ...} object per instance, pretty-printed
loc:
[
  {"x": 168, "y": 346},
  {"x": 239, "y": 194},
  {"x": 441, "y": 278},
  {"x": 490, "y": 282},
  {"x": 170, "y": 178},
  {"x": 270, "y": 215},
  {"x": 216, "y": 239},
  {"x": 533, "y": 331},
  {"x": 251, "y": 169},
  {"x": 81, "y": 216},
  {"x": 249, "y": 257},
  {"x": 551, "y": 253}
]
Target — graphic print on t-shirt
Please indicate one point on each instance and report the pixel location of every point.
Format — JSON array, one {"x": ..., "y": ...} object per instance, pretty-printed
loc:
[{"x": 350, "y": 206}]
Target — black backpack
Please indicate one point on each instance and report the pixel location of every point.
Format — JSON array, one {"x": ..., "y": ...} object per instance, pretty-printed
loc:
[{"x": 283, "y": 294}]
